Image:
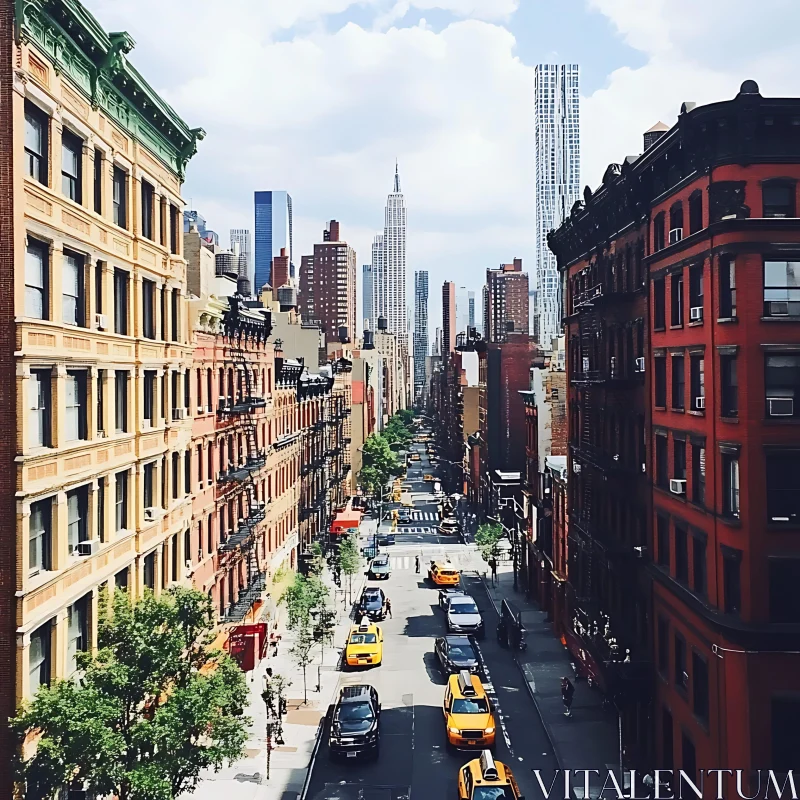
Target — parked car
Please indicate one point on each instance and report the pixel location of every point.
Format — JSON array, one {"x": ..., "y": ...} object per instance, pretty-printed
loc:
[
  {"x": 456, "y": 652},
  {"x": 446, "y": 593},
  {"x": 372, "y": 603},
  {"x": 355, "y": 722},
  {"x": 463, "y": 616},
  {"x": 379, "y": 568}
]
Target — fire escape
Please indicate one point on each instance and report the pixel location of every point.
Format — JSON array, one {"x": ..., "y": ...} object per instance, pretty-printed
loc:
[{"x": 244, "y": 331}]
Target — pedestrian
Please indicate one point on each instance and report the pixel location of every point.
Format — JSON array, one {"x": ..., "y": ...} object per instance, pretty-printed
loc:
[
  {"x": 647, "y": 782},
  {"x": 567, "y": 693},
  {"x": 493, "y": 565},
  {"x": 389, "y": 608},
  {"x": 416, "y": 564}
]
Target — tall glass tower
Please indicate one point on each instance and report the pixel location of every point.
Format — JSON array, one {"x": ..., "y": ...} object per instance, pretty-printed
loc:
[
  {"x": 367, "y": 292},
  {"x": 273, "y": 231},
  {"x": 558, "y": 158},
  {"x": 420, "y": 329}
]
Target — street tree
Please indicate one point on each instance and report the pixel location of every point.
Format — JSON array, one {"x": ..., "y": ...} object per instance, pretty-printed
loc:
[
  {"x": 317, "y": 563},
  {"x": 301, "y": 649},
  {"x": 302, "y": 595},
  {"x": 487, "y": 538},
  {"x": 153, "y": 707},
  {"x": 349, "y": 560},
  {"x": 380, "y": 463}
]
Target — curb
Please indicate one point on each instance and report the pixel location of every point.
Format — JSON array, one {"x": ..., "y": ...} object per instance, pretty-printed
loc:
[
  {"x": 531, "y": 693},
  {"x": 314, "y": 753}
]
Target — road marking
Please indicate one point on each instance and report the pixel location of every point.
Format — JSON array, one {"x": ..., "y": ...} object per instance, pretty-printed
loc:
[{"x": 490, "y": 691}]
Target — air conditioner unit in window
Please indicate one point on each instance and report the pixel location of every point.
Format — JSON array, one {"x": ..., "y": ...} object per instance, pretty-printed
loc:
[
  {"x": 699, "y": 403},
  {"x": 179, "y": 413},
  {"x": 639, "y": 365},
  {"x": 88, "y": 548},
  {"x": 696, "y": 313},
  {"x": 780, "y": 406},
  {"x": 675, "y": 235},
  {"x": 152, "y": 513},
  {"x": 778, "y": 308},
  {"x": 677, "y": 486},
  {"x": 101, "y": 321}
]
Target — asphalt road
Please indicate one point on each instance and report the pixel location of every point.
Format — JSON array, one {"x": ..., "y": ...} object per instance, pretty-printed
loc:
[{"x": 414, "y": 761}]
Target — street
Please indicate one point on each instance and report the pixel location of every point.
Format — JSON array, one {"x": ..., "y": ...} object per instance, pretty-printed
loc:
[{"x": 414, "y": 761}]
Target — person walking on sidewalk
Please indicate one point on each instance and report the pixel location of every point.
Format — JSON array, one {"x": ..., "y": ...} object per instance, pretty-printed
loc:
[
  {"x": 416, "y": 564},
  {"x": 389, "y": 608},
  {"x": 567, "y": 693},
  {"x": 493, "y": 567}
]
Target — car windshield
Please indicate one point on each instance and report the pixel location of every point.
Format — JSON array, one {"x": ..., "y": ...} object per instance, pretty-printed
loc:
[
  {"x": 380, "y": 562},
  {"x": 463, "y": 608},
  {"x": 372, "y": 600},
  {"x": 355, "y": 712},
  {"x": 493, "y": 793},
  {"x": 363, "y": 638},
  {"x": 461, "y": 651},
  {"x": 448, "y": 572},
  {"x": 469, "y": 705}
]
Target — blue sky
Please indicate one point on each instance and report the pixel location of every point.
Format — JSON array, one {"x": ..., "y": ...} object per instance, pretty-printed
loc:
[{"x": 320, "y": 96}]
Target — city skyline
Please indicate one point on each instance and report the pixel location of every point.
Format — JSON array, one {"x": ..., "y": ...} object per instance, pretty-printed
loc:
[{"x": 273, "y": 230}]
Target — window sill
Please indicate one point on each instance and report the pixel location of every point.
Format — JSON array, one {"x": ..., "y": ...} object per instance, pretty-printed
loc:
[
  {"x": 660, "y": 329},
  {"x": 676, "y": 327},
  {"x": 696, "y": 324},
  {"x": 697, "y": 413},
  {"x": 731, "y": 420},
  {"x": 733, "y": 522},
  {"x": 660, "y": 408},
  {"x": 780, "y": 319},
  {"x": 727, "y": 320},
  {"x": 678, "y": 410}
]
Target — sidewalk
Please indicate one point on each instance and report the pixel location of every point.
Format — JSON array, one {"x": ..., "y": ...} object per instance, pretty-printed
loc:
[
  {"x": 589, "y": 739},
  {"x": 290, "y": 762}
]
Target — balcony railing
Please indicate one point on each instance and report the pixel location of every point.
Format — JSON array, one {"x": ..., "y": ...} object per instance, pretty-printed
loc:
[
  {"x": 233, "y": 475},
  {"x": 247, "y": 597},
  {"x": 244, "y": 405}
]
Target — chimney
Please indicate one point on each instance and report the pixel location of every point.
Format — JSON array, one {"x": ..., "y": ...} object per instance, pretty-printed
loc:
[
  {"x": 333, "y": 232},
  {"x": 652, "y": 135}
]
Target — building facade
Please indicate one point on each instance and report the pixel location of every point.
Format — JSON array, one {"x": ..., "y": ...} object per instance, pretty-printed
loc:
[
  {"x": 506, "y": 308},
  {"x": 96, "y": 349},
  {"x": 273, "y": 215},
  {"x": 707, "y": 424},
  {"x": 420, "y": 329},
  {"x": 334, "y": 282},
  {"x": 379, "y": 294},
  {"x": 394, "y": 265},
  {"x": 368, "y": 319},
  {"x": 243, "y": 238},
  {"x": 557, "y": 126},
  {"x": 448, "y": 319}
]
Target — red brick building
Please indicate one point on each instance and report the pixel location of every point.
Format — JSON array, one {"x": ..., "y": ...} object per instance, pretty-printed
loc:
[
  {"x": 506, "y": 309},
  {"x": 334, "y": 284},
  {"x": 683, "y": 302}
]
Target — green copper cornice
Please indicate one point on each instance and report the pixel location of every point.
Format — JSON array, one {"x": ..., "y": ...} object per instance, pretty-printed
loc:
[{"x": 95, "y": 62}]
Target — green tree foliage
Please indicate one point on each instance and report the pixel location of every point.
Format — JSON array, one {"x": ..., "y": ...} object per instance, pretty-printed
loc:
[
  {"x": 152, "y": 709},
  {"x": 349, "y": 559},
  {"x": 488, "y": 540},
  {"x": 301, "y": 595},
  {"x": 301, "y": 649},
  {"x": 380, "y": 463},
  {"x": 317, "y": 559}
]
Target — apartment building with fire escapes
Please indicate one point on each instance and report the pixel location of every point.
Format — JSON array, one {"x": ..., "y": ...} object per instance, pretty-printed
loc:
[{"x": 710, "y": 214}]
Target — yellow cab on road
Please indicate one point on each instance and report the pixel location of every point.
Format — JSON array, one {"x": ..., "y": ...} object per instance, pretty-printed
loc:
[
  {"x": 486, "y": 779},
  {"x": 429, "y": 478},
  {"x": 414, "y": 457},
  {"x": 468, "y": 713},
  {"x": 444, "y": 574},
  {"x": 364, "y": 645}
]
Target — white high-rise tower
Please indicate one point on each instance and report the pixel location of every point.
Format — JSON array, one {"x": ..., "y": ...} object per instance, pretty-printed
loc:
[
  {"x": 378, "y": 282},
  {"x": 394, "y": 256},
  {"x": 558, "y": 158}
]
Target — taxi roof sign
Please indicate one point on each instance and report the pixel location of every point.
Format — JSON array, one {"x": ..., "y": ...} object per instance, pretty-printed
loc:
[
  {"x": 363, "y": 625},
  {"x": 488, "y": 767},
  {"x": 465, "y": 683}
]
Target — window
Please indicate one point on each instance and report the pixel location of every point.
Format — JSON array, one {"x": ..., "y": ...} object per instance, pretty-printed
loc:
[
  {"x": 697, "y": 380},
  {"x": 698, "y": 474},
  {"x": 680, "y": 675},
  {"x": 676, "y": 299},
  {"x": 678, "y": 383},
  {"x": 39, "y": 657},
  {"x": 700, "y": 687},
  {"x": 176, "y": 475},
  {"x": 174, "y": 393},
  {"x": 695, "y": 211},
  {"x": 729, "y": 383},
  {"x": 696, "y": 293},
  {"x": 121, "y": 580},
  {"x": 209, "y": 392},
  {"x": 663, "y": 645},
  {"x": 101, "y": 402},
  {"x": 660, "y": 363},
  {"x": 121, "y": 501},
  {"x": 150, "y": 397},
  {"x": 187, "y": 542},
  {"x": 40, "y": 537},
  {"x": 149, "y": 571},
  {"x": 730, "y": 485},
  {"x": 120, "y": 199},
  {"x": 778, "y": 199},
  {"x": 36, "y": 143},
  {"x": 149, "y": 484},
  {"x": 98, "y": 287},
  {"x": 681, "y": 554},
  {"x": 101, "y": 509},
  {"x": 40, "y": 398},
  {"x": 785, "y": 733},
  {"x": 783, "y": 487},
  {"x": 148, "y": 309},
  {"x": 688, "y": 757},
  {"x": 175, "y": 315},
  {"x": 662, "y": 531},
  {"x": 72, "y": 291},
  {"x": 658, "y": 232},
  {"x": 781, "y": 288},
  {"x": 699, "y": 563},
  {"x": 727, "y": 288},
  {"x": 187, "y": 391},
  {"x": 121, "y": 281},
  {"x": 77, "y": 632},
  {"x": 77, "y": 522},
  {"x": 98, "y": 181},
  {"x": 200, "y": 478},
  {"x": 187, "y": 472},
  {"x": 659, "y": 304},
  {"x": 121, "y": 401},
  {"x": 662, "y": 474},
  {"x": 37, "y": 266},
  {"x": 173, "y": 229},
  {"x": 679, "y": 459},
  {"x": 731, "y": 580},
  {"x": 148, "y": 203},
  {"x": 75, "y": 421},
  {"x": 782, "y": 384},
  {"x": 71, "y": 166}
]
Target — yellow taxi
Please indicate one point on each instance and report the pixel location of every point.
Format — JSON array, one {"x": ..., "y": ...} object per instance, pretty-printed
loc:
[
  {"x": 414, "y": 457},
  {"x": 364, "y": 645},
  {"x": 468, "y": 713},
  {"x": 486, "y": 779},
  {"x": 429, "y": 478},
  {"x": 444, "y": 574}
]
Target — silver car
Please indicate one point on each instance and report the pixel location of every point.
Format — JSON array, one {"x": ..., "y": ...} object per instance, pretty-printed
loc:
[
  {"x": 463, "y": 616},
  {"x": 379, "y": 568}
]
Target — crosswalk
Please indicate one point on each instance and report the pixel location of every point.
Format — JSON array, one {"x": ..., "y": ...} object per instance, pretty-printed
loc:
[{"x": 433, "y": 516}]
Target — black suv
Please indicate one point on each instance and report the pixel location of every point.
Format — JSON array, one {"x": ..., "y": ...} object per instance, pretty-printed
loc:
[
  {"x": 355, "y": 724},
  {"x": 456, "y": 653},
  {"x": 372, "y": 603}
]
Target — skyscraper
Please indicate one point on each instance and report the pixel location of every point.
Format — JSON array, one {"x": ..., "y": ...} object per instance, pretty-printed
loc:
[
  {"x": 394, "y": 248},
  {"x": 448, "y": 319},
  {"x": 556, "y": 119},
  {"x": 506, "y": 301},
  {"x": 471, "y": 309},
  {"x": 462, "y": 308},
  {"x": 273, "y": 231},
  {"x": 334, "y": 281},
  {"x": 420, "y": 328},
  {"x": 378, "y": 281},
  {"x": 367, "y": 289},
  {"x": 242, "y": 237}
]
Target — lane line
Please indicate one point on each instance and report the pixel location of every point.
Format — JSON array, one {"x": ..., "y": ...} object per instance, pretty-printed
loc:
[{"x": 490, "y": 690}]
